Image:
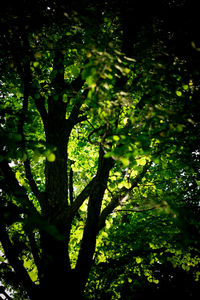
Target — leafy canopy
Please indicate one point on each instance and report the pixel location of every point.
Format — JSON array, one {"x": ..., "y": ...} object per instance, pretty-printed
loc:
[{"x": 99, "y": 157}]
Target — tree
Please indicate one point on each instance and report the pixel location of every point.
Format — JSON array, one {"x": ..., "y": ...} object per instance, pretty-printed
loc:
[{"x": 96, "y": 106}]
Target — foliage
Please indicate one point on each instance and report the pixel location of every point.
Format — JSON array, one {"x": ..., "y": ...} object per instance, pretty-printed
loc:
[{"x": 99, "y": 156}]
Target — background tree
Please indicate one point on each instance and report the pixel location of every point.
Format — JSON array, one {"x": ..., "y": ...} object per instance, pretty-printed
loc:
[{"x": 99, "y": 146}]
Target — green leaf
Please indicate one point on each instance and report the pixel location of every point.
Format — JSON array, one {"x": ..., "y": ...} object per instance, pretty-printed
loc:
[
  {"x": 65, "y": 98},
  {"x": 90, "y": 80},
  {"x": 141, "y": 161},
  {"x": 36, "y": 64},
  {"x": 116, "y": 138},
  {"x": 51, "y": 157},
  {"x": 179, "y": 127},
  {"x": 125, "y": 161},
  {"x": 179, "y": 93},
  {"x": 138, "y": 260}
]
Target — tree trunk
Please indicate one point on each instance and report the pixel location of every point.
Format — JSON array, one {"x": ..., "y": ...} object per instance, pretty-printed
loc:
[{"x": 88, "y": 243}]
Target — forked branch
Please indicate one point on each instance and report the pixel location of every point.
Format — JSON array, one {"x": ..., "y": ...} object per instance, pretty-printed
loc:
[{"x": 81, "y": 197}]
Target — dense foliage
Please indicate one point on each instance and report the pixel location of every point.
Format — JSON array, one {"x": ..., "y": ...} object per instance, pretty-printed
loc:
[{"x": 99, "y": 149}]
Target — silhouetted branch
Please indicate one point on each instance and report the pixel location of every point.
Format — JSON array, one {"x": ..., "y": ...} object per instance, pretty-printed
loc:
[
  {"x": 121, "y": 197},
  {"x": 34, "y": 250},
  {"x": 90, "y": 232},
  {"x": 82, "y": 197},
  {"x": 71, "y": 191},
  {"x": 11, "y": 186},
  {"x": 31, "y": 181},
  {"x": 140, "y": 210},
  {"x": 40, "y": 105},
  {"x": 12, "y": 256}
]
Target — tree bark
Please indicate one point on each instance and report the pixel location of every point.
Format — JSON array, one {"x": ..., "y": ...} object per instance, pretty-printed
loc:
[
  {"x": 55, "y": 270},
  {"x": 88, "y": 243}
]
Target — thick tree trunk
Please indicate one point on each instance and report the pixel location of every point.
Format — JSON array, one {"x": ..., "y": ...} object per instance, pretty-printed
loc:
[
  {"x": 55, "y": 269},
  {"x": 61, "y": 286}
]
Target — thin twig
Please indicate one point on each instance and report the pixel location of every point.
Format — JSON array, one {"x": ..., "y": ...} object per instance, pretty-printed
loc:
[{"x": 142, "y": 210}]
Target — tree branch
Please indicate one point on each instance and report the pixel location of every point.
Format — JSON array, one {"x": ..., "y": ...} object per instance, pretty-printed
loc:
[
  {"x": 139, "y": 177},
  {"x": 11, "y": 186},
  {"x": 76, "y": 84},
  {"x": 58, "y": 68},
  {"x": 40, "y": 105},
  {"x": 31, "y": 181},
  {"x": 124, "y": 260},
  {"x": 97, "y": 191},
  {"x": 140, "y": 210},
  {"x": 71, "y": 191},
  {"x": 35, "y": 252},
  {"x": 116, "y": 201},
  {"x": 26, "y": 77},
  {"x": 11, "y": 254},
  {"x": 119, "y": 198},
  {"x": 81, "y": 197},
  {"x": 92, "y": 132},
  {"x": 80, "y": 119},
  {"x": 74, "y": 116}
]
